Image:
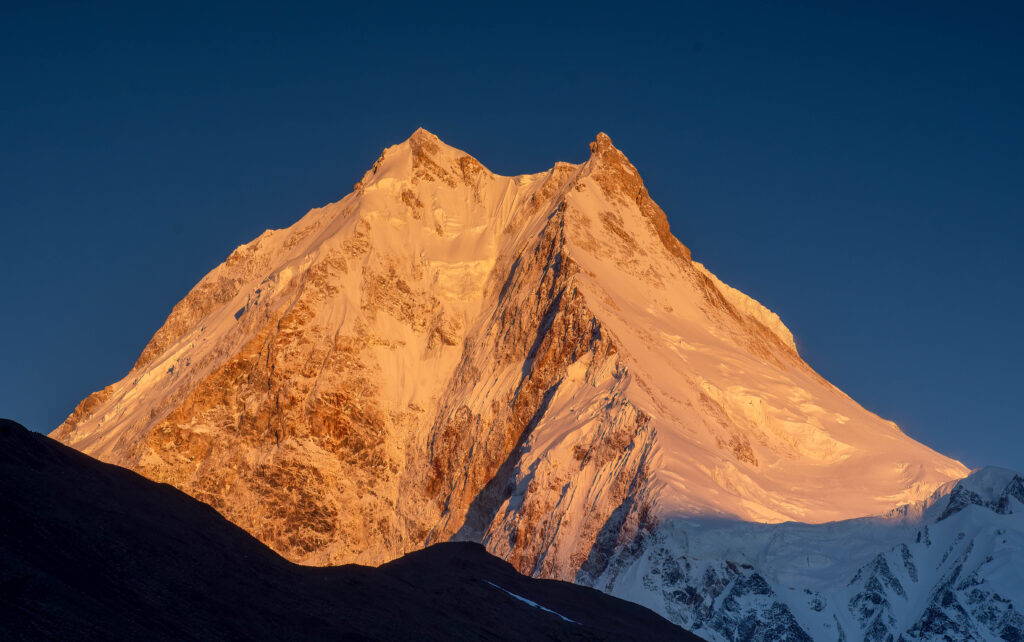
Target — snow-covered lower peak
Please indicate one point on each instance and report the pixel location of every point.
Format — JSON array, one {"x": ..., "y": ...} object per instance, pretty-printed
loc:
[
  {"x": 953, "y": 572},
  {"x": 990, "y": 484},
  {"x": 533, "y": 362}
]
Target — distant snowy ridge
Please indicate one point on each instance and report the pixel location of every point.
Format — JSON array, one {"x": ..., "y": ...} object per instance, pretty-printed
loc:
[{"x": 956, "y": 572}]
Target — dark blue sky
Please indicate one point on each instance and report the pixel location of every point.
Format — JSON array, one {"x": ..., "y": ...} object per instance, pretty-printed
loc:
[{"x": 858, "y": 168}]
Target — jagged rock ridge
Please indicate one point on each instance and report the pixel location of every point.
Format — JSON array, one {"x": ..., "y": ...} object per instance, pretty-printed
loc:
[{"x": 533, "y": 362}]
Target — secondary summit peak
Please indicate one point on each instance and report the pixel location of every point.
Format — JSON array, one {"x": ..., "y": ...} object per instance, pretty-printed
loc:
[
  {"x": 424, "y": 157},
  {"x": 601, "y": 143},
  {"x": 604, "y": 153},
  {"x": 423, "y": 135}
]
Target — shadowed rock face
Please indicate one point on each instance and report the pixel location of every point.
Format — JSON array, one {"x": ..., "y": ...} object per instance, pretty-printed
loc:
[{"x": 90, "y": 551}]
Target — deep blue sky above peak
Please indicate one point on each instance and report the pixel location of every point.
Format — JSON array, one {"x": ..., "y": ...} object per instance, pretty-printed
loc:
[{"x": 856, "y": 167}]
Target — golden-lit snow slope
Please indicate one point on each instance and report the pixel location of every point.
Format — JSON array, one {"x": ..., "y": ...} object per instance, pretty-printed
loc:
[
  {"x": 744, "y": 427},
  {"x": 532, "y": 361}
]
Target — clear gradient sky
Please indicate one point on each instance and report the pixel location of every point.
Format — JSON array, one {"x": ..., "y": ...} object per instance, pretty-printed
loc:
[{"x": 858, "y": 168}]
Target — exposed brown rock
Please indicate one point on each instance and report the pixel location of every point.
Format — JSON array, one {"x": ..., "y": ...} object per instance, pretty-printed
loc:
[{"x": 619, "y": 179}]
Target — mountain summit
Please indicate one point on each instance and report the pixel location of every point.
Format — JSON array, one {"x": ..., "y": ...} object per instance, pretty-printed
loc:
[{"x": 533, "y": 362}]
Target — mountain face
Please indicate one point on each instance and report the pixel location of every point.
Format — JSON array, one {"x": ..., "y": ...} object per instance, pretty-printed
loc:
[
  {"x": 533, "y": 362},
  {"x": 93, "y": 551}
]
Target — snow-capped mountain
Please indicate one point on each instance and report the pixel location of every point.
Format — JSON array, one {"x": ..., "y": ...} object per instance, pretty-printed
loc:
[
  {"x": 533, "y": 362},
  {"x": 949, "y": 568}
]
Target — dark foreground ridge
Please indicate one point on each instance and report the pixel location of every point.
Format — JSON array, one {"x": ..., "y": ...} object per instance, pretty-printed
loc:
[{"x": 89, "y": 550}]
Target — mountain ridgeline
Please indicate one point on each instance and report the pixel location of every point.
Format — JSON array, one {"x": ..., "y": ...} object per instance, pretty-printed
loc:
[{"x": 534, "y": 363}]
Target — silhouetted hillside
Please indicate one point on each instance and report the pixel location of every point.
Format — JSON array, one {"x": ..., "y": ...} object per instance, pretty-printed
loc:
[{"x": 90, "y": 550}]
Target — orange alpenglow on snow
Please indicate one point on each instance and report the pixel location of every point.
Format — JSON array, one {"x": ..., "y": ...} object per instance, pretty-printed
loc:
[{"x": 533, "y": 362}]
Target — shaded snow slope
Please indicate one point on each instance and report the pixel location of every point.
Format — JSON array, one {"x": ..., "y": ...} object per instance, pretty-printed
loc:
[{"x": 954, "y": 571}]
